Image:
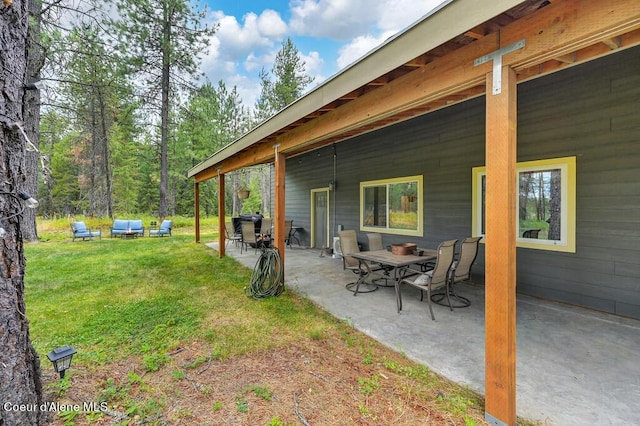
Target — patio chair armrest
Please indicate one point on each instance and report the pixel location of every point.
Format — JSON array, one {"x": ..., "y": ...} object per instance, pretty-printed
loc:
[
  {"x": 427, "y": 266},
  {"x": 408, "y": 273}
]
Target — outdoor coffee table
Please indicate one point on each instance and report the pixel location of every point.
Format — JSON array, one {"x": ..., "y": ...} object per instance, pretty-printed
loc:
[{"x": 128, "y": 234}]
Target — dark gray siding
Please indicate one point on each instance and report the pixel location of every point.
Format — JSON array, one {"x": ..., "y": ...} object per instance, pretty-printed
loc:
[{"x": 591, "y": 111}]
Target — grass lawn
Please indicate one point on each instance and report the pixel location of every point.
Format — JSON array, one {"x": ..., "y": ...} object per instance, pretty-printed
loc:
[{"x": 165, "y": 335}]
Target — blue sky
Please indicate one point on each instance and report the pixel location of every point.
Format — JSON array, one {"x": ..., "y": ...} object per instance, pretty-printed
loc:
[{"x": 329, "y": 34}]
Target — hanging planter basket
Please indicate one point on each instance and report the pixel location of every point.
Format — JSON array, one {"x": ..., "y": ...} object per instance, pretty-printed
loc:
[{"x": 243, "y": 194}]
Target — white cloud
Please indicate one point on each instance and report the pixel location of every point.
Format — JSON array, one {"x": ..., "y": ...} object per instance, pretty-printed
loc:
[
  {"x": 271, "y": 25},
  {"x": 234, "y": 41},
  {"x": 395, "y": 16},
  {"x": 313, "y": 63},
  {"x": 243, "y": 46},
  {"x": 335, "y": 19},
  {"x": 350, "y": 52},
  {"x": 240, "y": 47},
  {"x": 399, "y": 14},
  {"x": 348, "y": 19}
]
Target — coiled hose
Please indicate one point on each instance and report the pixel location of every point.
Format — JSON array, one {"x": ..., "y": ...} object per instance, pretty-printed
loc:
[{"x": 266, "y": 279}]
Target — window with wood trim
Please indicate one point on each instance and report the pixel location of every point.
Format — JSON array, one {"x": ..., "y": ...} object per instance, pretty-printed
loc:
[
  {"x": 392, "y": 206},
  {"x": 545, "y": 205}
]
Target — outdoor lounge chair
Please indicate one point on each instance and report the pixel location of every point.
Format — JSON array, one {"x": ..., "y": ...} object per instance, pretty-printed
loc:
[
  {"x": 80, "y": 230},
  {"x": 436, "y": 278},
  {"x": 165, "y": 229}
]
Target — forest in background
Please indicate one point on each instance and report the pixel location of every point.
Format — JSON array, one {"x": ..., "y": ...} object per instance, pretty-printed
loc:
[{"x": 125, "y": 112}]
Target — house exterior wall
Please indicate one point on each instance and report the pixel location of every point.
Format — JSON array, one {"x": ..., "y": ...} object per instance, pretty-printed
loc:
[{"x": 591, "y": 111}]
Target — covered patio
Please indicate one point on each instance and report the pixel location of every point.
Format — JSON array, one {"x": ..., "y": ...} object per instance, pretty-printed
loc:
[
  {"x": 575, "y": 366},
  {"x": 474, "y": 93}
]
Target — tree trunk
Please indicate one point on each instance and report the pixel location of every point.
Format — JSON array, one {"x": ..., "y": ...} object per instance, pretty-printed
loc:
[
  {"x": 106, "y": 155},
  {"x": 31, "y": 113},
  {"x": 555, "y": 206},
  {"x": 164, "y": 119},
  {"x": 525, "y": 189},
  {"x": 20, "y": 365},
  {"x": 93, "y": 172}
]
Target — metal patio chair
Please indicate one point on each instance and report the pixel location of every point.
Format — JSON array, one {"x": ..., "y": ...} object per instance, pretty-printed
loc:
[
  {"x": 349, "y": 244},
  {"x": 436, "y": 278},
  {"x": 231, "y": 235},
  {"x": 248, "y": 236},
  {"x": 375, "y": 243}
]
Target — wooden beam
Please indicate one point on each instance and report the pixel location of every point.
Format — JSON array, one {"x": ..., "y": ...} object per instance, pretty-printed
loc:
[
  {"x": 567, "y": 26},
  {"x": 279, "y": 207},
  {"x": 500, "y": 252},
  {"x": 221, "y": 216}
]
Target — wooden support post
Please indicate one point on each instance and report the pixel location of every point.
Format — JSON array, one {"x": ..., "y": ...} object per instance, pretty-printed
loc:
[
  {"x": 500, "y": 252},
  {"x": 221, "y": 216},
  {"x": 279, "y": 208},
  {"x": 196, "y": 191}
]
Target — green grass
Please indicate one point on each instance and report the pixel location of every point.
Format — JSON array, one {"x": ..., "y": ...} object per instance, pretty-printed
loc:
[
  {"x": 143, "y": 298},
  {"x": 114, "y": 298}
]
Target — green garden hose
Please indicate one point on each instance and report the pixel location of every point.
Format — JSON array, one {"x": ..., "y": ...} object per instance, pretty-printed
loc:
[{"x": 266, "y": 279}]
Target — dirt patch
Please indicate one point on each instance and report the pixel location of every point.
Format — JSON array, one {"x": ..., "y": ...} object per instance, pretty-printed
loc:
[{"x": 329, "y": 381}]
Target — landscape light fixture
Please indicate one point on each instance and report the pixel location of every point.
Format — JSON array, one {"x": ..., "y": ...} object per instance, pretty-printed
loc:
[{"x": 61, "y": 358}]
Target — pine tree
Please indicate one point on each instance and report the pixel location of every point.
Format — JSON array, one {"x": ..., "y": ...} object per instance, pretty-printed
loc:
[
  {"x": 19, "y": 363},
  {"x": 290, "y": 81},
  {"x": 162, "y": 40},
  {"x": 289, "y": 84},
  {"x": 214, "y": 116}
]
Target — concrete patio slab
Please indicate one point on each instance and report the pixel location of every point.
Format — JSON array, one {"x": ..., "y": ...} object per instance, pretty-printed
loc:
[{"x": 574, "y": 366}]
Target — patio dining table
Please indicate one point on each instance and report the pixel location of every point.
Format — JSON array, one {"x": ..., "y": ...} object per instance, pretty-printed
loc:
[{"x": 399, "y": 263}]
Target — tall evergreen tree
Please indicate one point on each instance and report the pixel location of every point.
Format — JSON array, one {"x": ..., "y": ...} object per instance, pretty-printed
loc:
[
  {"x": 35, "y": 61},
  {"x": 162, "y": 40},
  {"x": 214, "y": 116},
  {"x": 20, "y": 381},
  {"x": 59, "y": 192},
  {"x": 95, "y": 94},
  {"x": 290, "y": 81}
]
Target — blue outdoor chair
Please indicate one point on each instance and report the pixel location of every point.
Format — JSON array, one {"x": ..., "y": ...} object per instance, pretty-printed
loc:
[
  {"x": 80, "y": 230},
  {"x": 165, "y": 229}
]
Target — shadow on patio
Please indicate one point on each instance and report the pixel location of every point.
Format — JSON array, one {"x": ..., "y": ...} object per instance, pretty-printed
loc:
[{"x": 574, "y": 366}]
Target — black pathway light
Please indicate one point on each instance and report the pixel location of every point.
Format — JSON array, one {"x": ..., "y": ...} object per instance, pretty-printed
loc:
[{"x": 61, "y": 358}]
